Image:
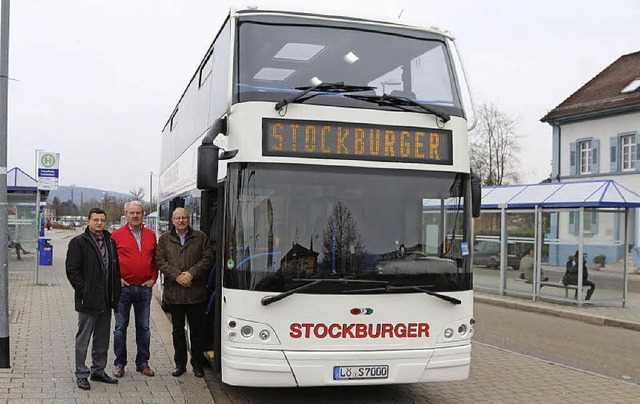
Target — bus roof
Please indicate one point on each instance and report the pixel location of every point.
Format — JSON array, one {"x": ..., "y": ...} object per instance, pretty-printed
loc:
[
  {"x": 342, "y": 15},
  {"x": 298, "y": 12}
]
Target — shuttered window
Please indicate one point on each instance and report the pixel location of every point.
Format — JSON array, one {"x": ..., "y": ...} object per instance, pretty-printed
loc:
[
  {"x": 628, "y": 152},
  {"x": 586, "y": 157}
]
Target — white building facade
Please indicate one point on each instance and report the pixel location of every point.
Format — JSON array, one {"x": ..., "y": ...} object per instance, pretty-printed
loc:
[{"x": 596, "y": 133}]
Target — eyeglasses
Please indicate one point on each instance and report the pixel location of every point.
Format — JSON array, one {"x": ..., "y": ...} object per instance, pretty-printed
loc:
[{"x": 180, "y": 217}]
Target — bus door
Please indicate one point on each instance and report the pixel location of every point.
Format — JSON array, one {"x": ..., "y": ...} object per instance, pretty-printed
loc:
[
  {"x": 212, "y": 215},
  {"x": 175, "y": 203}
]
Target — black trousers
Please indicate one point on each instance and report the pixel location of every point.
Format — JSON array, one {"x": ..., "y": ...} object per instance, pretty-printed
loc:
[
  {"x": 592, "y": 287},
  {"x": 195, "y": 315}
]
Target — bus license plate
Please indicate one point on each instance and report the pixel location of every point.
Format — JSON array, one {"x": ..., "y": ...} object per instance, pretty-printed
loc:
[{"x": 360, "y": 372}]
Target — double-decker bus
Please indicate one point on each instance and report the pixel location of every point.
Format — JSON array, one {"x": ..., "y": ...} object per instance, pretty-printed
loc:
[{"x": 327, "y": 158}]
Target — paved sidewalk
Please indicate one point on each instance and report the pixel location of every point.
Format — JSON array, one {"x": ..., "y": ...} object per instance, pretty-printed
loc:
[
  {"x": 626, "y": 317},
  {"x": 42, "y": 326}
]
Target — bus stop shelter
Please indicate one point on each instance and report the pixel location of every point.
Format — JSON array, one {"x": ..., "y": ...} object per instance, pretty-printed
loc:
[
  {"x": 555, "y": 219},
  {"x": 21, "y": 201}
]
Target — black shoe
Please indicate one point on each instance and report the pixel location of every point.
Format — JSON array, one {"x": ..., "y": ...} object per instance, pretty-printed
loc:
[
  {"x": 198, "y": 371},
  {"x": 522, "y": 275},
  {"x": 546, "y": 279},
  {"x": 84, "y": 384},
  {"x": 103, "y": 378},
  {"x": 178, "y": 371}
]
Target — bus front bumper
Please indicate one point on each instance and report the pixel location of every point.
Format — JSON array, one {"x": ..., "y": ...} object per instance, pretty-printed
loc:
[{"x": 270, "y": 368}]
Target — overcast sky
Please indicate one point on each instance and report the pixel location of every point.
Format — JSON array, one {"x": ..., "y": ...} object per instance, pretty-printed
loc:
[{"x": 96, "y": 80}]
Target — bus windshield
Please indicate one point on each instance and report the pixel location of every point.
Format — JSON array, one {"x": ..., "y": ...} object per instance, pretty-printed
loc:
[
  {"x": 276, "y": 55},
  {"x": 287, "y": 225}
]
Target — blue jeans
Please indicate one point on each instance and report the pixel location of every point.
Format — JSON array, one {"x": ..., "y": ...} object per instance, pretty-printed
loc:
[{"x": 140, "y": 298}]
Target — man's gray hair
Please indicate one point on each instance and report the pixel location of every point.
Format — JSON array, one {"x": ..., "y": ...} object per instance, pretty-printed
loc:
[{"x": 133, "y": 203}]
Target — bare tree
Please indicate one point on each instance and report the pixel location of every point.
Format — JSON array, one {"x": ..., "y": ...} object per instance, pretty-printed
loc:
[
  {"x": 137, "y": 194},
  {"x": 495, "y": 146},
  {"x": 342, "y": 243}
]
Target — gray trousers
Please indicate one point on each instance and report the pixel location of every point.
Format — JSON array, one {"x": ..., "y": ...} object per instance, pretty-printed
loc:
[{"x": 98, "y": 325}]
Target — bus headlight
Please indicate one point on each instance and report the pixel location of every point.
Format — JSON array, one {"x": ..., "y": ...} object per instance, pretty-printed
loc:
[
  {"x": 448, "y": 333},
  {"x": 250, "y": 332},
  {"x": 246, "y": 331},
  {"x": 462, "y": 329}
]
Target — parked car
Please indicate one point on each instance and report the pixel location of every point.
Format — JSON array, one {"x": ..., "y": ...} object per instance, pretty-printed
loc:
[{"x": 487, "y": 253}]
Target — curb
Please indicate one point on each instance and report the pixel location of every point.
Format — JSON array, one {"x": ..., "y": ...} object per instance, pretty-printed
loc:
[{"x": 558, "y": 312}]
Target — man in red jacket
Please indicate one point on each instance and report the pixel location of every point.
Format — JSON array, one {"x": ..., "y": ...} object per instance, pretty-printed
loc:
[{"x": 136, "y": 247}]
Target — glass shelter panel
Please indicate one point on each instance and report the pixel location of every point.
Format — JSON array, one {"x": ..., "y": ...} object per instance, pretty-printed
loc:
[
  {"x": 22, "y": 230},
  {"x": 486, "y": 251},
  {"x": 604, "y": 256}
]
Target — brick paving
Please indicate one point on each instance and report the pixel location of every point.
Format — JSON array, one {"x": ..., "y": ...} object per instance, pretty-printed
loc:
[
  {"x": 43, "y": 325},
  {"x": 497, "y": 376}
]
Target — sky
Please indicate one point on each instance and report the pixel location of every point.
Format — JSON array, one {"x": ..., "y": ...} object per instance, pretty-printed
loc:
[{"x": 96, "y": 80}]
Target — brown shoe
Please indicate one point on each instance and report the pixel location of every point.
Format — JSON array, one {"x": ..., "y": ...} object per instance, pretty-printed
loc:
[
  {"x": 118, "y": 371},
  {"x": 146, "y": 370}
]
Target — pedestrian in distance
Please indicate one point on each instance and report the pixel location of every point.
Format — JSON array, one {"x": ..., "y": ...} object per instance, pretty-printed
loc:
[
  {"x": 93, "y": 271},
  {"x": 136, "y": 247},
  {"x": 185, "y": 256}
]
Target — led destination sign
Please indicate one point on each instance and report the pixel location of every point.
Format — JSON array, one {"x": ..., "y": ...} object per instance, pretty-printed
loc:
[{"x": 341, "y": 140}]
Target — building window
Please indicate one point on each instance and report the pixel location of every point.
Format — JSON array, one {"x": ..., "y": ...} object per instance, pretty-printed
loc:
[
  {"x": 590, "y": 223},
  {"x": 628, "y": 152},
  {"x": 586, "y": 157}
]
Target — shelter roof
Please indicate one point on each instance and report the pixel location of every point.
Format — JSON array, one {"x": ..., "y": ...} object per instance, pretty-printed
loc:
[
  {"x": 589, "y": 193},
  {"x": 18, "y": 180}
]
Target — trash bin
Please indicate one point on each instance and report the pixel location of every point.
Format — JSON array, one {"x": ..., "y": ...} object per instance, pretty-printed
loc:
[{"x": 46, "y": 251}]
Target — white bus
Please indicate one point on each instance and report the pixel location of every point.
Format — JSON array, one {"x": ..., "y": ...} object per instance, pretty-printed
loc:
[{"x": 327, "y": 158}]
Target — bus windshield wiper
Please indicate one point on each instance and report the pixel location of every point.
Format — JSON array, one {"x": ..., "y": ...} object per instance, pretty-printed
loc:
[
  {"x": 395, "y": 101},
  {"x": 338, "y": 87},
  {"x": 267, "y": 300},
  {"x": 390, "y": 288}
]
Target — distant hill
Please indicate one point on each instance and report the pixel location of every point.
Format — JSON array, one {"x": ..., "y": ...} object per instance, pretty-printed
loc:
[{"x": 82, "y": 194}]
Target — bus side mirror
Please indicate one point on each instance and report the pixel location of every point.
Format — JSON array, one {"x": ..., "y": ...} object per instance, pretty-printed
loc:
[
  {"x": 476, "y": 196},
  {"x": 209, "y": 155},
  {"x": 207, "y": 177}
]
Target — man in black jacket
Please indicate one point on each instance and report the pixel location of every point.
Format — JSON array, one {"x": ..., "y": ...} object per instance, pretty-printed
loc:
[{"x": 93, "y": 271}]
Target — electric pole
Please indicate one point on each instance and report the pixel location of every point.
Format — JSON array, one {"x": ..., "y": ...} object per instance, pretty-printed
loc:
[{"x": 4, "y": 221}]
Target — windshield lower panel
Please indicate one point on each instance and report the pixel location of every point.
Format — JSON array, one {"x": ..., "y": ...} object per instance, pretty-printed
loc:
[
  {"x": 277, "y": 55},
  {"x": 288, "y": 225}
]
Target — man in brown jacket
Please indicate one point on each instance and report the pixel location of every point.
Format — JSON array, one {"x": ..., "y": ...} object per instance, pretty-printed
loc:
[{"x": 185, "y": 256}]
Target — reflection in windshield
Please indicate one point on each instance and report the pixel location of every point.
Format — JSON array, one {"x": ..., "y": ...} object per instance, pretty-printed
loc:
[
  {"x": 401, "y": 227},
  {"x": 342, "y": 244}
]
